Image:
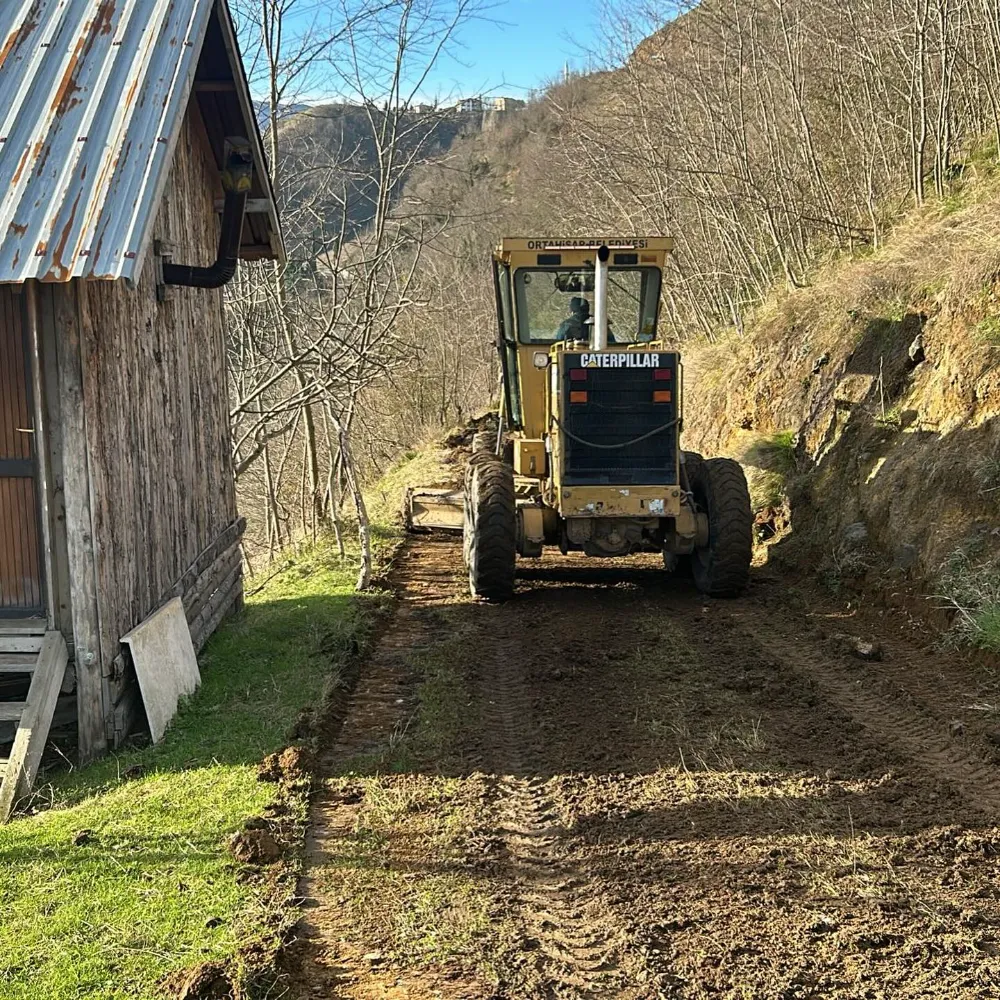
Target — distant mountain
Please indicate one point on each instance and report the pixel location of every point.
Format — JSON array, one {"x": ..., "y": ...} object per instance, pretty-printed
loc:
[{"x": 263, "y": 111}]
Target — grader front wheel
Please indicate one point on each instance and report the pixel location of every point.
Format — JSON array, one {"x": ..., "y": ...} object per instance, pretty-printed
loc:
[
  {"x": 721, "y": 568},
  {"x": 490, "y": 541}
]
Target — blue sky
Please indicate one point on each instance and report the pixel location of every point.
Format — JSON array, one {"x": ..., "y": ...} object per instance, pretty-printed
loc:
[
  {"x": 514, "y": 47},
  {"x": 524, "y": 43},
  {"x": 511, "y": 49}
]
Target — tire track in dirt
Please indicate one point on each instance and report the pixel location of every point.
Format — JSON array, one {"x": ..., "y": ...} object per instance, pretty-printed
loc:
[
  {"x": 566, "y": 927},
  {"x": 322, "y": 961},
  {"x": 889, "y": 713}
]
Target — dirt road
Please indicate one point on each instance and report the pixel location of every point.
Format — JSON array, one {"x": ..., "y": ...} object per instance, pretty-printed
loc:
[{"x": 610, "y": 787}]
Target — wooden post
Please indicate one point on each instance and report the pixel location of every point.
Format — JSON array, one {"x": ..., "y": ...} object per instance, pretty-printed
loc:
[
  {"x": 43, "y": 475},
  {"x": 80, "y": 528}
]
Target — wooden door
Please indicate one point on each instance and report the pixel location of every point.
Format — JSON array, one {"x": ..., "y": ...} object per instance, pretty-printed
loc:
[{"x": 20, "y": 536}]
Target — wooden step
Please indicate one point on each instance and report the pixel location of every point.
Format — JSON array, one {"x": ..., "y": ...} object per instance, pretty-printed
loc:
[
  {"x": 34, "y": 718},
  {"x": 20, "y": 643},
  {"x": 18, "y": 663},
  {"x": 22, "y": 626},
  {"x": 11, "y": 711}
]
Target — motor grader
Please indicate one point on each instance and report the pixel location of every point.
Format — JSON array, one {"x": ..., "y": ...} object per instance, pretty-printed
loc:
[{"x": 588, "y": 456}]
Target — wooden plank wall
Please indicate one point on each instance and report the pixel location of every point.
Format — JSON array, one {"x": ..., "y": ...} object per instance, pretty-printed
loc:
[{"x": 157, "y": 421}]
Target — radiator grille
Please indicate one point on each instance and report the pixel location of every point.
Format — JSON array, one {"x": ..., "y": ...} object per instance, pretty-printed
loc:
[{"x": 619, "y": 408}]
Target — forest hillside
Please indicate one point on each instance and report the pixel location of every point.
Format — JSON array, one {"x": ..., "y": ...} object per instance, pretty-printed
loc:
[{"x": 827, "y": 171}]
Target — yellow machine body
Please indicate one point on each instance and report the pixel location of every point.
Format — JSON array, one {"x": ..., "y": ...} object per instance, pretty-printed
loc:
[{"x": 533, "y": 371}]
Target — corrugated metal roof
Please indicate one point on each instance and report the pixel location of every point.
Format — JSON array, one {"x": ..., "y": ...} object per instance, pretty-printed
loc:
[{"x": 92, "y": 93}]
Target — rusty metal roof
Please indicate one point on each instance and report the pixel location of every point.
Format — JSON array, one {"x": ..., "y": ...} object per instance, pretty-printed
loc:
[{"x": 92, "y": 95}]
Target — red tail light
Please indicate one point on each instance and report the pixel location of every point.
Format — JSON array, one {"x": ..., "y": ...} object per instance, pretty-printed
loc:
[
  {"x": 663, "y": 374},
  {"x": 578, "y": 374}
]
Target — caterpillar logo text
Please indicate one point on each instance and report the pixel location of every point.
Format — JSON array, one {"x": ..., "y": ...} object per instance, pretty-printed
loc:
[{"x": 624, "y": 360}]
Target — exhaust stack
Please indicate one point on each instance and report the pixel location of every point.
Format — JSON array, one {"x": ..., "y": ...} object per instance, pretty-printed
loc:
[{"x": 600, "y": 338}]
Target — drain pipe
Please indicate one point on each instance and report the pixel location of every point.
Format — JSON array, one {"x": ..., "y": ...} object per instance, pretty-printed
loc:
[
  {"x": 237, "y": 176},
  {"x": 601, "y": 300}
]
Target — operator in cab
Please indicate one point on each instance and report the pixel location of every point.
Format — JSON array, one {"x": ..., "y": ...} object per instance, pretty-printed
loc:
[
  {"x": 577, "y": 325},
  {"x": 574, "y": 327}
]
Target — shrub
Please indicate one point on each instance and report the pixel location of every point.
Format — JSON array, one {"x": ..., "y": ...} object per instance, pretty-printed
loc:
[
  {"x": 986, "y": 472},
  {"x": 771, "y": 462},
  {"x": 973, "y": 590}
]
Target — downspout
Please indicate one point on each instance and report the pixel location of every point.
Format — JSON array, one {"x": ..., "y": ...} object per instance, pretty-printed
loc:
[
  {"x": 237, "y": 175},
  {"x": 601, "y": 300},
  {"x": 43, "y": 474}
]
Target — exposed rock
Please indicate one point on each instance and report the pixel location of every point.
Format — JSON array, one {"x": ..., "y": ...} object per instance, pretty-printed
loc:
[
  {"x": 853, "y": 389},
  {"x": 905, "y": 556},
  {"x": 916, "y": 351},
  {"x": 854, "y": 536},
  {"x": 821, "y": 362},
  {"x": 861, "y": 649},
  {"x": 864, "y": 650}
]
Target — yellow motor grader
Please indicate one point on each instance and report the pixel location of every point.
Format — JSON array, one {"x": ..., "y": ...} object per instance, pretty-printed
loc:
[{"x": 588, "y": 457}]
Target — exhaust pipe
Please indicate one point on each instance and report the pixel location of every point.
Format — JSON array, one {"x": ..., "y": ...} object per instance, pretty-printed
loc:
[
  {"x": 237, "y": 175},
  {"x": 600, "y": 342}
]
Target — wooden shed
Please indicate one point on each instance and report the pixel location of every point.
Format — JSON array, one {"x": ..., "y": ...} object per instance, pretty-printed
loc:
[{"x": 132, "y": 176}]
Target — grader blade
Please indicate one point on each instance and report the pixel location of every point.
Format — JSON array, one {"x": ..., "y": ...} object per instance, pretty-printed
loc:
[{"x": 434, "y": 509}]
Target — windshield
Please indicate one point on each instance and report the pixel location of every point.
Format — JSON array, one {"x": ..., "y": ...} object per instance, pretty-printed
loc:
[{"x": 558, "y": 304}]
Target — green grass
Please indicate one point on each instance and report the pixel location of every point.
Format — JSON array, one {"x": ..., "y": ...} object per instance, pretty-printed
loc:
[
  {"x": 988, "y": 330},
  {"x": 385, "y": 498},
  {"x": 772, "y": 462},
  {"x": 153, "y": 889},
  {"x": 972, "y": 590}
]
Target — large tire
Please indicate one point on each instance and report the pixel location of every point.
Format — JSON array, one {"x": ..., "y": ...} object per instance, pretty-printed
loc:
[
  {"x": 490, "y": 529},
  {"x": 722, "y": 567},
  {"x": 484, "y": 442}
]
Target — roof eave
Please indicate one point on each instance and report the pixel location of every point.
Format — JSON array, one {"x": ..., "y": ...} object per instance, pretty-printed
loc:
[{"x": 277, "y": 239}]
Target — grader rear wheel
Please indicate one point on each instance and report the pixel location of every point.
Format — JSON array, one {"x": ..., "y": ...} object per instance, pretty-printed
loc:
[
  {"x": 490, "y": 540},
  {"x": 721, "y": 568}
]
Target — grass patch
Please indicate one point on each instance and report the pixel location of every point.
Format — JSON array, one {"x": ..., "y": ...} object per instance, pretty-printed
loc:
[
  {"x": 771, "y": 462},
  {"x": 973, "y": 590},
  {"x": 988, "y": 330},
  {"x": 385, "y": 499},
  {"x": 151, "y": 888},
  {"x": 406, "y": 824},
  {"x": 986, "y": 473}
]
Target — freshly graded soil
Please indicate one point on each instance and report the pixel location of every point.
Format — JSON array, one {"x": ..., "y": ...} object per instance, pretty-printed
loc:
[{"x": 613, "y": 787}]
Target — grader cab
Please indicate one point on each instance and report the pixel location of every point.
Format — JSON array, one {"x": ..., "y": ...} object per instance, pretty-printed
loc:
[{"x": 588, "y": 457}]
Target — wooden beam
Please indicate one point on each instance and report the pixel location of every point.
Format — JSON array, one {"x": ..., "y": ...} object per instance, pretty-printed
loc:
[
  {"x": 214, "y": 87},
  {"x": 255, "y": 206},
  {"x": 11, "y": 711},
  {"x": 257, "y": 251},
  {"x": 80, "y": 529},
  {"x": 35, "y": 721}
]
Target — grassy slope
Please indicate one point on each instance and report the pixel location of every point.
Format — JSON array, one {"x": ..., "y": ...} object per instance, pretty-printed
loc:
[
  {"x": 153, "y": 889},
  {"x": 905, "y": 449}
]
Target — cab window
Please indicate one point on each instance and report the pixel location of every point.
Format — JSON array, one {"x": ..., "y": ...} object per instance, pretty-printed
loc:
[{"x": 557, "y": 304}]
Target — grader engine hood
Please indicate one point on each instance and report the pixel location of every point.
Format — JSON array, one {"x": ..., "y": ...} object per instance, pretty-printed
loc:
[{"x": 617, "y": 418}]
